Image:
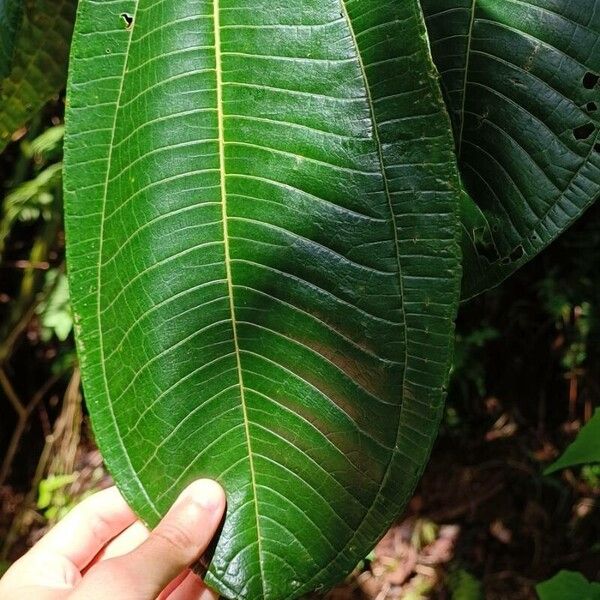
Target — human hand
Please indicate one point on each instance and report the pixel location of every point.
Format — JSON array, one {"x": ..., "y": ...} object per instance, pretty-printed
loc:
[{"x": 101, "y": 551}]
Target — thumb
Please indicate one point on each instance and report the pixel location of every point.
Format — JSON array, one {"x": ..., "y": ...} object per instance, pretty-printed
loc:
[{"x": 178, "y": 541}]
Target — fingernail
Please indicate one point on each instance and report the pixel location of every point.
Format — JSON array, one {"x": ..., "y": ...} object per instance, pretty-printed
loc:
[{"x": 206, "y": 493}]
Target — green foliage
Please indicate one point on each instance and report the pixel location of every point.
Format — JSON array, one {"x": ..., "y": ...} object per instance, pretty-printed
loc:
[
  {"x": 521, "y": 83},
  {"x": 39, "y": 67},
  {"x": 525, "y": 341},
  {"x": 585, "y": 449},
  {"x": 568, "y": 585},
  {"x": 33, "y": 204},
  {"x": 55, "y": 311},
  {"x": 30, "y": 201},
  {"x": 561, "y": 308},
  {"x": 591, "y": 475},
  {"x": 52, "y": 496},
  {"x": 465, "y": 586},
  {"x": 11, "y": 14},
  {"x": 35, "y": 198},
  {"x": 468, "y": 369},
  {"x": 46, "y": 146},
  {"x": 55, "y": 496}
]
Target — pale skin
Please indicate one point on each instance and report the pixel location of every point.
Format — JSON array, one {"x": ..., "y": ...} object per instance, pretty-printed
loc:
[{"x": 100, "y": 551}]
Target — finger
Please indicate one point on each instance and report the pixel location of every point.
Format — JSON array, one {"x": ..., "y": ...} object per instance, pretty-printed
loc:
[
  {"x": 192, "y": 588},
  {"x": 174, "y": 584},
  {"x": 58, "y": 558},
  {"x": 178, "y": 541},
  {"x": 124, "y": 543},
  {"x": 88, "y": 528},
  {"x": 37, "y": 570},
  {"x": 35, "y": 593}
]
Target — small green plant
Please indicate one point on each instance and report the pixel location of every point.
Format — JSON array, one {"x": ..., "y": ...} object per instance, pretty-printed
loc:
[
  {"x": 53, "y": 498},
  {"x": 584, "y": 450},
  {"x": 55, "y": 312},
  {"x": 567, "y": 585},
  {"x": 465, "y": 586}
]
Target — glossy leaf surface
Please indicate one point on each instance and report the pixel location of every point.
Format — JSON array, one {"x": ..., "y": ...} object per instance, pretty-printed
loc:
[
  {"x": 39, "y": 65},
  {"x": 521, "y": 82},
  {"x": 11, "y": 14},
  {"x": 263, "y": 252}
]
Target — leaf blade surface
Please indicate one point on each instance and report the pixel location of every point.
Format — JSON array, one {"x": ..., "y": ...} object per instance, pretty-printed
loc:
[{"x": 264, "y": 268}]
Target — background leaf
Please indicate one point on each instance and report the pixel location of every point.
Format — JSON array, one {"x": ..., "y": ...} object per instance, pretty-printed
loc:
[
  {"x": 55, "y": 311},
  {"x": 11, "y": 13},
  {"x": 39, "y": 68},
  {"x": 465, "y": 586},
  {"x": 568, "y": 585},
  {"x": 584, "y": 450},
  {"x": 521, "y": 82},
  {"x": 31, "y": 200},
  {"x": 262, "y": 224}
]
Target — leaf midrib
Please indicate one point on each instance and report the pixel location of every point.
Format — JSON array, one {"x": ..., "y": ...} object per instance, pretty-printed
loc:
[{"x": 223, "y": 185}]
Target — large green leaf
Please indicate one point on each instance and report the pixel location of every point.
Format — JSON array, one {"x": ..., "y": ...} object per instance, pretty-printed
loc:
[
  {"x": 262, "y": 224},
  {"x": 39, "y": 66},
  {"x": 521, "y": 82},
  {"x": 11, "y": 16}
]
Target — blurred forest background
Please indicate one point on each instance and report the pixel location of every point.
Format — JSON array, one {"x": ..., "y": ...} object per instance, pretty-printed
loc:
[{"x": 484, "y": 523}]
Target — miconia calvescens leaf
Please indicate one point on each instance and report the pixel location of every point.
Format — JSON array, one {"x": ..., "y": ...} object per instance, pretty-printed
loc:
[
  {"x": 521, "y": 82},
  {"x": 262, "y": 230}
]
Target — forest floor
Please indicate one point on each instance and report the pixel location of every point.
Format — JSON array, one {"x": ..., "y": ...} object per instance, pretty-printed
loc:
[{"x": 482, "y": 524}]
